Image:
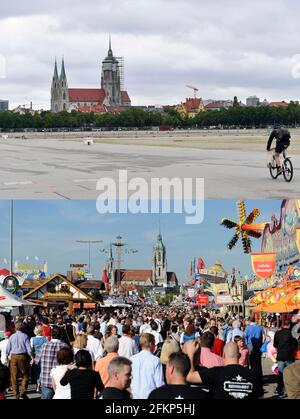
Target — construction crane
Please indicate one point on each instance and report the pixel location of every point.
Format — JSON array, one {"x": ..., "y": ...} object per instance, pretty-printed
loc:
[{"x": 195, "y": 90}]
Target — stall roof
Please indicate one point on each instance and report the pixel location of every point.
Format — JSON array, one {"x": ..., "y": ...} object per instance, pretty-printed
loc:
[{"x": 10, "y": 300}]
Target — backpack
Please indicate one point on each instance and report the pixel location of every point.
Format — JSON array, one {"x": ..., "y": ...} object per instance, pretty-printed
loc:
[{"x": 284, "y": 135}]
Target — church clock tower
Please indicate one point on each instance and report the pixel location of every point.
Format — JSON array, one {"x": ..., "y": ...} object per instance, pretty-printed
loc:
[
  {"x": 159, "y": 267},
  {"x": 111, "y": 80}
]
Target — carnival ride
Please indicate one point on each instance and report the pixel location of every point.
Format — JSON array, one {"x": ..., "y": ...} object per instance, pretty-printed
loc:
[{"x": 244, "y": 227}]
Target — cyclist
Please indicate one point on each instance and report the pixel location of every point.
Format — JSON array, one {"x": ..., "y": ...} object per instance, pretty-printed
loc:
[{"x": 282, "y": 136}]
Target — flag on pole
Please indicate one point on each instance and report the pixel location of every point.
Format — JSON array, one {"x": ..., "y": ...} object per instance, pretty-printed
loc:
[{"x": 191, "y": 269}]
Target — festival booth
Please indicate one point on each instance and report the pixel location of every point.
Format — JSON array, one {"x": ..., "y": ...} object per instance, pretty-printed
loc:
[
  {"x": 282, "y": 299},
  {"x": 277, "y": 266},
  {"x": 215, "y": 283},
  {"x": 59, "y": 292}
]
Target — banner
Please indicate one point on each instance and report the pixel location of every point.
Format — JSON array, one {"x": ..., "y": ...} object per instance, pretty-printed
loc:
[
  {"x": 191, "y": 293},
  {"x": 210, "y": 272},
  {"x": 224, "y": 299},
  {"x": 201, "y": 264},
  {"x": 217, "y": 288},
  {"x": 263, "y": 264},
  {"x": 203, "y": 300}
]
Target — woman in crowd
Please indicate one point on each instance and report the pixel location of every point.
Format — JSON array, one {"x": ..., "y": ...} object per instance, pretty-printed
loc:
[
  {"x": 189, "y": 333},
  {"x": 37, "y": 343},
  {"x": 65, "y": 358},
  {"x": 243, "y": 350},
  {"x": 84, "y": 382},
  {"x": 169, "y": 347},
  {"x": 80, "y": 342}
]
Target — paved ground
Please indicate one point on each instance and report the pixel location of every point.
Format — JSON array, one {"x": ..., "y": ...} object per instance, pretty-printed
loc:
[
  {"x": 60, "y": 166},
  {"x": 269, "y": 383}
]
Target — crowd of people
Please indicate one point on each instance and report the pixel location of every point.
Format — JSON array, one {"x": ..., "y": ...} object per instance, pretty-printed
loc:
[{"x": 146, "y": 353}]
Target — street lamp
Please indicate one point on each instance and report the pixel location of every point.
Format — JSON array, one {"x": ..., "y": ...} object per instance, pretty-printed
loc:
[
  {"x": 89, "y": 242},
  {"x": 11, "y": 235},
  {"x": 119, "y": 246}
]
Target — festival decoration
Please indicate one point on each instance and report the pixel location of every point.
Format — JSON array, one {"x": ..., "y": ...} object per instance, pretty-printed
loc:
[
  {"x": 263, "y": 264},
  {"x": 244, "y": 227},
  {"x": 282, "y": 236}
]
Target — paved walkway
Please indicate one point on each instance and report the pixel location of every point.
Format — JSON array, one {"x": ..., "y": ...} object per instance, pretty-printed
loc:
[
  {"x": 66, "y": 169},
  {"x": 270, "y": 383}
]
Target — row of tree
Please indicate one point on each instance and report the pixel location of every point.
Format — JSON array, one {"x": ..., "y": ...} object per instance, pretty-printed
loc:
[{"x": 236, "y": 116}]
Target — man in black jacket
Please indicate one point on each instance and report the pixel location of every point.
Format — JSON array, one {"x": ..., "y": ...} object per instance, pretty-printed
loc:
[
  {"x": 286, "y": 346},
  {"x": 282, "y": 136}
]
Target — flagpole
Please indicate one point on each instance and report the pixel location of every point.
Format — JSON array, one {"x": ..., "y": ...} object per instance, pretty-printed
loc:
[{"x": 11, "y": 235}]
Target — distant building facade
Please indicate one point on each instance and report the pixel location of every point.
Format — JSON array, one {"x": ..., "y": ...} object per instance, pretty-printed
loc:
[
  {"x": 190, "y": 108},
  {"x": 217, "y": 105},
  {"x": 278, "y": 104},
  {"x": 253, "y": 101},
  {"x": 100, "y": 100},
  {"x": 4, "y": 105},
  {"x": 133, "y": 279}
]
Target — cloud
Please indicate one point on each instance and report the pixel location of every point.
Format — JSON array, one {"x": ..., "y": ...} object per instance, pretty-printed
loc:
[{"x": 224, "y": 48}]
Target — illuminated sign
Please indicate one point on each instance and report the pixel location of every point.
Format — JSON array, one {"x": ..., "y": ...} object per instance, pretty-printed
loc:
[{"x": 11, "y": 284}]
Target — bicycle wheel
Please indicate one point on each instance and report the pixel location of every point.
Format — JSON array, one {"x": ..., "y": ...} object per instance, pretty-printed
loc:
[
  {"x": 273, "y": 171},
  {"x": 288, "y": 170}
]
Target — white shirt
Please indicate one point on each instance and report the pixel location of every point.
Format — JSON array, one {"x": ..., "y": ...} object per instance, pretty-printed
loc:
[
  {"x": 127, "y": 347},
  {"x": 158, "y": 322},
  {"x": 112, "y": 322},
  {"x": 145, "y": 328},
  {"x": 103, "y": 328},
  {"x": 147, "y": 374},
  {"x": 158, "y": 337},
  {"x": 3, "y": 346},
  {"x": 61, "y": 392},
  {"x": 95, "y": 347}
]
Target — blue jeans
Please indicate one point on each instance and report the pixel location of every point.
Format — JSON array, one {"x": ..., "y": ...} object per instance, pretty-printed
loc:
[
  {"x": 281, "y": 366},
  {"x": 47, "y": 393}
]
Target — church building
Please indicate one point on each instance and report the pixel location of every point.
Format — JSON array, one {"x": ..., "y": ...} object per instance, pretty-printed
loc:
[
  {"x": 110, "y": 97},
  {"x": 132, "y": 279}
]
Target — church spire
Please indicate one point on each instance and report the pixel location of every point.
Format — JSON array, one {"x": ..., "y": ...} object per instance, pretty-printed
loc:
[
  {"x": 110, "y": 53},
  {"x": 63, "y": 70},
  {"x": 55, "y": 75}
]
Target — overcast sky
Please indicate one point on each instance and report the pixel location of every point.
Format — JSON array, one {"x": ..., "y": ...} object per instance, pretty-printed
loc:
[
  {"x": 49, "y": 230},
  {"x": 225, "y": 48}
]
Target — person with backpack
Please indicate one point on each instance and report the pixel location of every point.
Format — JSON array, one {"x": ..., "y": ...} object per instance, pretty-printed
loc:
[{"x": 282, "y": 136}]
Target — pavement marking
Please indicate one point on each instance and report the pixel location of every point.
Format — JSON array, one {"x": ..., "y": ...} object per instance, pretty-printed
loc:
[
  {"x": 24, "y": 182},
  {"x": 84, "y": 180}
]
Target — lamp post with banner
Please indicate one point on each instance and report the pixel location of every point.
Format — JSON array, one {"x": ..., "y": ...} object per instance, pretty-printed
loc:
[{"x": 89, "y": 242}]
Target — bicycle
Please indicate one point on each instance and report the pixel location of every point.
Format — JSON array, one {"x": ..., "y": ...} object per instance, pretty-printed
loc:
[{"x": 287, "y": 169}]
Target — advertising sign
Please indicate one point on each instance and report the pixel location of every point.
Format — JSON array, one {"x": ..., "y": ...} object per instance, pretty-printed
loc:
[
  {"x": 213, "y": 273},
  {"x": 263, "y": 264},
  {"x": 203, "y": 300},
  {"x": 217, "y": 288},
  {"x": 228, "y": 299},
  {"x": 11, "y": 284},
  {"x": 191, "y": 293}
]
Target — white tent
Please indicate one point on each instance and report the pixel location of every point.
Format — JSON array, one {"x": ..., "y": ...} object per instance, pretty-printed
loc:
[{"x": 8, "y": 300}]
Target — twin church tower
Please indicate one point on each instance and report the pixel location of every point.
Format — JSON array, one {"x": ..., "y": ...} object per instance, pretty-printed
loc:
[{"x": 110, "y": 95}]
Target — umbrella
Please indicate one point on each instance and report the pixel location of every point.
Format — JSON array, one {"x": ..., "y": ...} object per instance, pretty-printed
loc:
[{"x": 9, "y": 300}]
